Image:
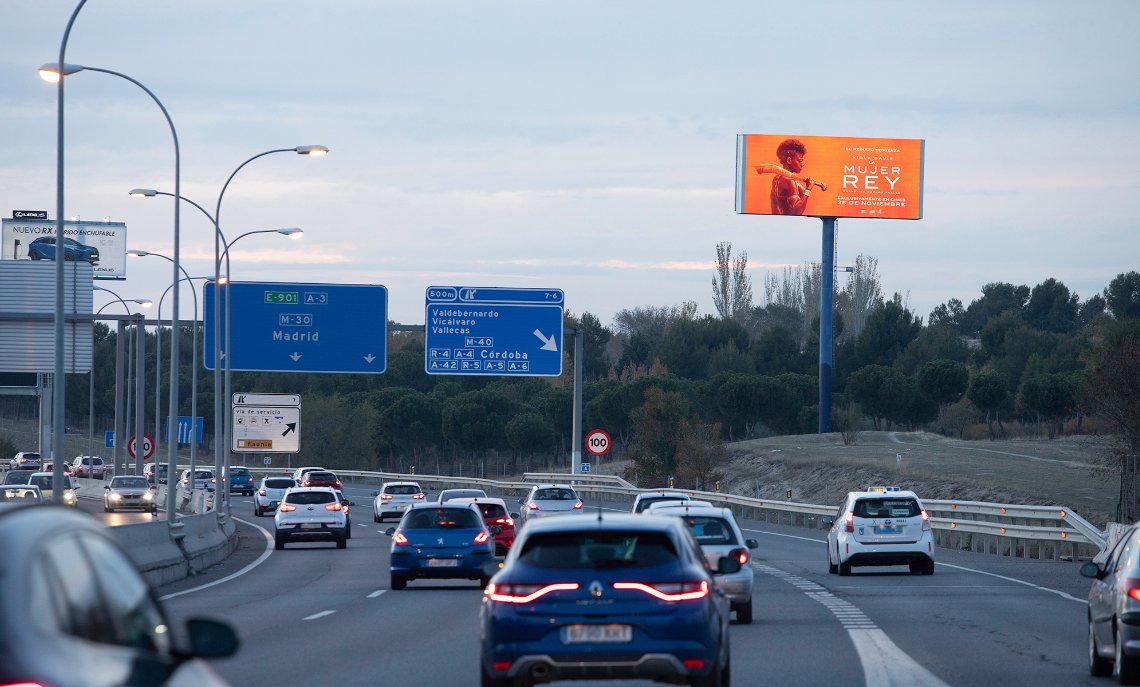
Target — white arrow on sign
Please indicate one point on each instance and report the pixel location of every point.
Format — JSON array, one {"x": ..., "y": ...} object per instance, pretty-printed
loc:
[
  {"x": 296, "y": 356},
  {"x": 548, "y": 344},
  {"x": 370, "y": 357}
]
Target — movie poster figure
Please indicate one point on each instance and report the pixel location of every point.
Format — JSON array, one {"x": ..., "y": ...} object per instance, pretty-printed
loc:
[{"x": 790, "y": 191}]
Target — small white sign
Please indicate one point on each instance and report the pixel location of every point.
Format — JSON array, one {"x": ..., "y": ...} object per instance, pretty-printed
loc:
[
  {"x": 244, "y": 399},
  {"x": 266, "y": 429}
]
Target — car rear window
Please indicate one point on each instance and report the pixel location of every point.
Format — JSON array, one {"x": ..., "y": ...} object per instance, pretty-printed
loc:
[
  {"x": 710, "y": 530},
  {"x": 441, "y": 518},
  {"x": 280, "y": 483},
  {"x": 449, "y": 494},
  {"x": 555, "y": 495},
  {"x": 309, "y": 498},
  {"x": 646, "y": 503},
  {"x": 886, "y": 508},
  {"x": 598, "y": 550},
  {"x": 491, "y": 510},
  {"x": 239, "y": 471},
  {"x": 402, "y": 489},
  {"x": 321, "y": 477}
]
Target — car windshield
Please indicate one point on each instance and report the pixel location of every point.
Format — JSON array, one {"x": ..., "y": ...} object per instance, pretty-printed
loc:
[
  {"x": 130, "y": 482},
  {"x": 280, "y": 483},
  {"x": 646, "y": 503},
  {"x": 554, "y": 494},
  {"x": 441, "y": 518},
  {"x": 402, "y": 489},
  {"x": 598, "y": 550},
  {"x": 710, "y": 530},
  {"x": 308, "y": 498},
  {"x": 44, "y": 482},
  {"x": 17, "y": 477},
  {"x": 886, "y": 508}
]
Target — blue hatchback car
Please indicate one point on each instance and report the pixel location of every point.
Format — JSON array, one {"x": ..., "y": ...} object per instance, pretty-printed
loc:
[
  {"x": 612, "y": 597},
  {"x": 438, "y": 541}
]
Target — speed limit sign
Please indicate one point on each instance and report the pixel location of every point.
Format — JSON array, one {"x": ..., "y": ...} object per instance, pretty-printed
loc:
[
  {"x": 147, "y": 446},
  {"x": 598, "y": 442}
]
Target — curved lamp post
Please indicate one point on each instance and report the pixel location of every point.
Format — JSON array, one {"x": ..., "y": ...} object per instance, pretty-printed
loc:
[
  {"x": 56, "y": 71},
  {"x": 144, "y": 302},
  {"x": 137, "y": 360}
]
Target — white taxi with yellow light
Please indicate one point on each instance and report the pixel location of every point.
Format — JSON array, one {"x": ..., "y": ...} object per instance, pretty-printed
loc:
[{"x": 880, "y": 526}]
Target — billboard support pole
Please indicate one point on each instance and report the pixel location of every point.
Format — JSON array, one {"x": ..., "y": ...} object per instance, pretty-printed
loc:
[{"x": 826, "y": 308}]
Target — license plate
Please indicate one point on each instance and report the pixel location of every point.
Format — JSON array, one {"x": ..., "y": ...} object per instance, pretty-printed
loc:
[
  {"x": 443, "y": 562},
  {"x": 596, "y": 634},
  {"x": 311, "y": 526},
  {"x": 887, "y": 529}
]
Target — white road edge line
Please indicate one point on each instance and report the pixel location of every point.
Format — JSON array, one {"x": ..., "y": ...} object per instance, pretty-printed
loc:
[
  {"x": 376, "y": 593},
  {"x": 318, "y": 615},
  {"x": 1059, "y": 593},
  {"x": 251, "y": 566}
]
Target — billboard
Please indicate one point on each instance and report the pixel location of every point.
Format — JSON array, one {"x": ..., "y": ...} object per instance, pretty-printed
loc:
[
  {"x": 102, "y": 244},
  {"x": 828, "y": 176}
]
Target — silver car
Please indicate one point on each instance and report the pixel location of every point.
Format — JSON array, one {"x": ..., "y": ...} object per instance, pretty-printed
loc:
[
  {"x": 550, "y": 499},
  {"x": 270, "y": 492},
  {"x": 1114, "y": 638},
  {"x": 394, "y": 498},
  {"x": 12, "y": 495},
  {"x": 128, "y": 491},
  {"x": 719, "y": 536}
]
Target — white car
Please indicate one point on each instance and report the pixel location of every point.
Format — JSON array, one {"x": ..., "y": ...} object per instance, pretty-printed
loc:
[
  {"x": 718, "y": 534},
  {"x": 310, "y": 513},
  {"x": 269, "y": 494},
  {"x": 394, "y": 498},
  {"x": 128, "y": 491},
  {"x": 203, "y": 479},
  {"x": 549, "y": 499},
  {"x": 647, "y": 499},
  {"x": 880, "y": 526}
]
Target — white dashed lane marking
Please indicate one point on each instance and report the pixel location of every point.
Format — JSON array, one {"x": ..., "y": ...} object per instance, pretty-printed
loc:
[
  {"x": 376, "y": 593},
  {"x": 318, "y": 615}
]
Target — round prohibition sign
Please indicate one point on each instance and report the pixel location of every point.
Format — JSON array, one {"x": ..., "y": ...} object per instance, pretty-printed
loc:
[
  {"x": 147, "y": 446},
  {"x": 598, "y": 442}
]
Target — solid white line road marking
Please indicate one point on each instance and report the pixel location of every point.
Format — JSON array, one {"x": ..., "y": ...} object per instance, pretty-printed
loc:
[
  {"x": 376, "y": 593},
  {"x": 251, "y": 566},
  {"x": 318, "y": 615}
]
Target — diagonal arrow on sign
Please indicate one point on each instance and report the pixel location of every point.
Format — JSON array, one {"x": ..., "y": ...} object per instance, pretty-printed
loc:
[
  {"x": 291, "y": 427},
  {"x": 548, "y": 344}
]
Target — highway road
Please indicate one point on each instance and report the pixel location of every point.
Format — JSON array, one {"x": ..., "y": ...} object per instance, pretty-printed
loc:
[{"x": 312, "y": 614}]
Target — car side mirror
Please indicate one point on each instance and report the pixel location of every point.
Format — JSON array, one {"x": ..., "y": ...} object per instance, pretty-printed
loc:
[
  {"x": 495, "y": 529},
  {"x": 752, "y": 543},
  {"x": 211, "y": 638},
  {"x": 827, "y": 520},
  {"x": 390, "y": 531},
  {"x": 375, "y": 493},
  {"x": 515, "y": 516},
  {"x": 522, "y": 501},
  {"x": 728, "y": 565},
  {"x": 107, "y": 487},
  {"x": 1091, "y": 570},
  {"x": 350, "y": 503}
]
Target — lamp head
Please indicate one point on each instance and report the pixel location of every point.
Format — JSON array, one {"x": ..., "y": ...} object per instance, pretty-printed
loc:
[
  {"x": 291, "y": 232},
  {"x": 312, "y": 151},
  {"x": 144, "y": 302},
  {"x": 137, "y": 253},
  {"x": 50, "y": 71},
  {"x": 143, "y": 192}
]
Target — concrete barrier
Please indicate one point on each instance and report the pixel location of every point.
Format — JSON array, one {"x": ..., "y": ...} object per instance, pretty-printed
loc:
[
  {"x": 204, "y": 540},
  {"x": 155, "y": 554}
]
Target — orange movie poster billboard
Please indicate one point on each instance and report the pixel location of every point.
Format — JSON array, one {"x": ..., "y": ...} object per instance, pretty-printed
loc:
[{"x": 827, "y": 176}]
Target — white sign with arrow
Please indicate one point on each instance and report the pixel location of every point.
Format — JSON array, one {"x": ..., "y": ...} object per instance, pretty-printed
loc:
[{"x": 266, "y": 423}]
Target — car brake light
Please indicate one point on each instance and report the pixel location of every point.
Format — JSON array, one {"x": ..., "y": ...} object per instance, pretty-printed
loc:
[
  {"x": 248, "y": 479},
  {"x": 505, "y": 521},
  {"x": 261, "y": 492},
  {"x": 849, "y": 521},
  {"x": 1132, "y": 588},
  {"x": 306, "y": 483},
  {"x": 925, "y": 520},
  {"x": 694, "y": 664},
  {"x": 286, "y": 508},
  {"x": 532, "y": 505},
  {"x": 501, "y": 666},
  {"x": 578, "y": 506},
  {"x": 482, "y": 538},
  {"x": 338, "y": 482},
  {"x": 418, "y": 496},
  {"x": 670, "y": 591},
  {"x": 385, "y": 497},
  {"x": 524, "y": 593},
  {"x": 399, "y": 539},
  {"x": 333, "y": 506},
  {"x": 741, "y": 555}
]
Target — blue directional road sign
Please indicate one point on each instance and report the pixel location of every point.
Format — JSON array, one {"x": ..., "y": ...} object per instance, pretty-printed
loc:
[
  {"x": 301, "y": 327},
  {"x": 493, "y": 331},
  {"x": 187, "y": 431}
]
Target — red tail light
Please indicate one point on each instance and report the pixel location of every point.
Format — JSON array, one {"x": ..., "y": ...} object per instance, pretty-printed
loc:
[
  {"x": 418, "y": 497},
  {"x": 399, "y": 539},
  {"x": 385, "y": 497},
  {"x": 501, "y": 666},
  {"x": 694, "y": 664},
  {"x": 505, "y": 521},
  {"x": 261, "y": 492},
  {"x": 741, "y": 555},
  {"x": 1132, "y": 588},
  {"x": 532, "y": 505},
  {"x": 306, "y": 483},
  {"x": 578, "y": 506},
  {"x": 333, "y": 506},
  {"x": 670, "y": 591},
  {"x": 482, "y": 537},
  {"x": 925, "y": 520},
  {"x": 286, "y": 508},
  {"x": 849, "y": 521},
  {"x": 338, "y": 482},
  {"x": 524, "y": 593},
  {"x": 248, "y": 479}
]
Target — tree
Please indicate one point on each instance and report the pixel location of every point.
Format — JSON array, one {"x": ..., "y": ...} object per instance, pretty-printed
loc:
[
  {"x": 997, "y": 298},
  {"x": 1123, "y": 295},
  {"x": 412, "y": 423},
  {"x": 529, "y": 433},
  {"x": 1052, "y": 308},
  {"x": 865, "y": 386},
  {"x": 949, "y": 314},
  {"x": 890, "y": 329},
  {"x": 595, "y": 339},
  {"x": 732, "y": 288},
  {"x": 1053, "y": 395},
  {"x": 700, "y": 454},
  {"x": 776, "y": 352},
  {"x": 943, "y": 381},
  {"x": 989, "y": 393},
  {"x": 862, "y": 294},
  {"x": 654, "y": 449}
]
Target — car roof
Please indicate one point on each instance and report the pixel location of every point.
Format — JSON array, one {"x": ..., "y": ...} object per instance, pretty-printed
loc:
[
  {"x": 603, "y": 521},
  {"x": 327, "y": 490},
  {"x": 480, "y": 499},
  {"x": 881, "y": 494},
  {"x": 658, "y": 494},
  {"x": 686, "y": 505},
  {"x": 400, "y": 484},
  {"x": 437, "y": 504}
]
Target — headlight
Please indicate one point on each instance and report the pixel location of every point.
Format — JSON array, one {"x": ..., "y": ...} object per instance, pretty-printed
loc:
[
  {"x": 69, "y": 497},
  {"x": 148, "y": 496},
  {"x": 116, "y": 496}
]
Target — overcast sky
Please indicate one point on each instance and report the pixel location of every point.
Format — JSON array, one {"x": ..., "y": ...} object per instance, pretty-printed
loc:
[{"x": 587, "y": 146}]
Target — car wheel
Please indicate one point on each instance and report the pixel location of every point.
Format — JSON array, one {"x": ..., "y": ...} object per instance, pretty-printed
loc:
[
  {"x": 377, "y": 518},
  {"x": 106, "y": 509},
  {"x": 342, "y": 543},
  {"x": 278, "y": 542},
  {"x": 348, "y": 531},
  {"x": 488, "y": 680},
  {"x": 398, "y": 582},
  {"x": 832, "y": 568},
  {"x": 917, "y": 568},
  {"x": 844, "y": 569},
  {"x": 1098, "y": 666},
  {"x": 257, "y": 511},
  {"x": 743, "y": 612},
  {"x": 928, "y": 569},
  {"x": 1125, "y": 667}
]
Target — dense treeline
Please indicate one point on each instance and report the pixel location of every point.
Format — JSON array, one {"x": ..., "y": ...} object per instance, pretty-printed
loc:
[{"x": 671, "y": 385}]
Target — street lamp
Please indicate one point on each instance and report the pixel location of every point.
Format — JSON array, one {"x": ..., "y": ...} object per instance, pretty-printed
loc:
[
  {"x": 221, "y": 422},
  {"x": 57, "y": 71},
  {"x": 137, "y": 360},
  {"x": 144, "y": 302}
]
